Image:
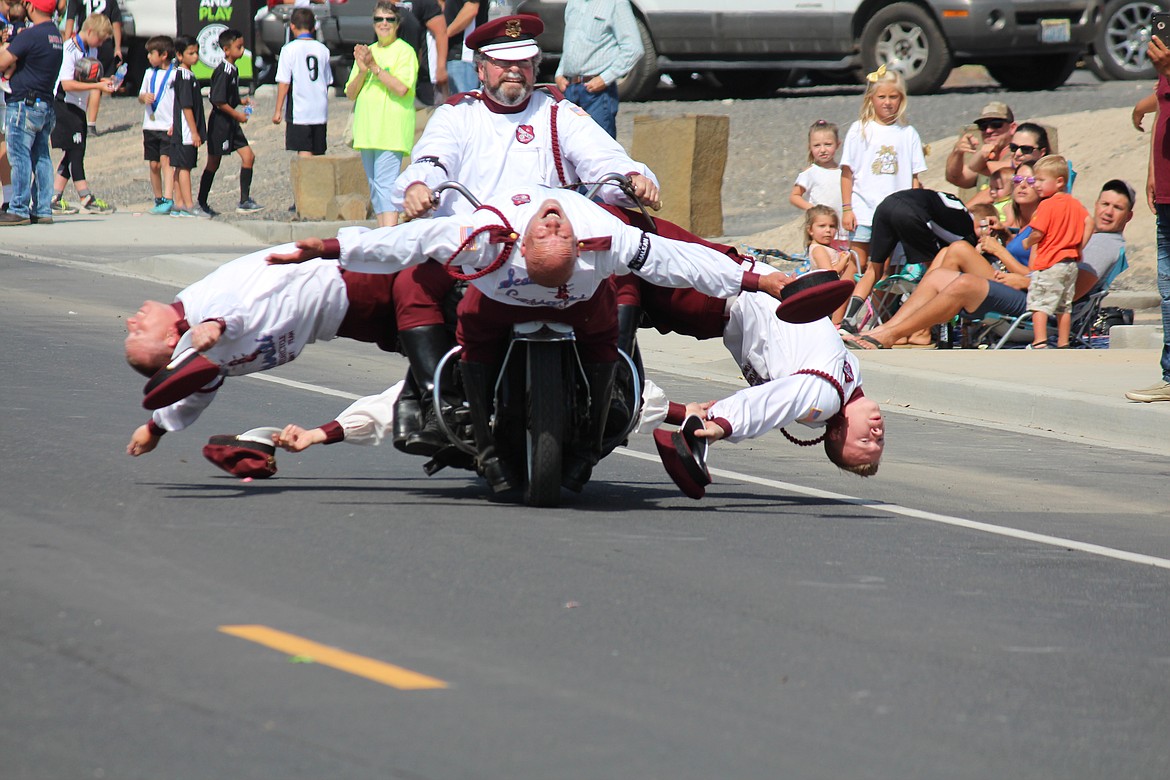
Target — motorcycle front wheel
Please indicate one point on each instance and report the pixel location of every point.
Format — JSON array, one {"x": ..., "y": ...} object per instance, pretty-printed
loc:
[{"x": 549, "y": 396}]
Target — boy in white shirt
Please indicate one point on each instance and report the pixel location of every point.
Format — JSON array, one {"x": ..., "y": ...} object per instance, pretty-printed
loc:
[
  {"x": 158, "y": 95},
  {"x": 303, "y": 78}
]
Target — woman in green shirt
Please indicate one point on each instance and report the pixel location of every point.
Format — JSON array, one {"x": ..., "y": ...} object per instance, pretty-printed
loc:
[{"x": 381, "y": 85}]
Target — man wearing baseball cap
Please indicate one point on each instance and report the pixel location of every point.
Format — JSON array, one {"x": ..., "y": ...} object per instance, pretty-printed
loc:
[
  {"x": 989, "y": 152},
  {"x": 30, "y": 114},
  {"x": 507, "y": 135}
]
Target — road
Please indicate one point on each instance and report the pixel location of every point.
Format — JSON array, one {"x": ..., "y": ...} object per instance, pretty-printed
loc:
[{"x": 991, "y": 605}]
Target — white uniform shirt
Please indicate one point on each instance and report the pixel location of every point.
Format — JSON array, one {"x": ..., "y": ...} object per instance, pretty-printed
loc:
[
  {"x": 73, "y": 51},
  {"x": 661, "y": 260},
  {"x": 304, "y": 66},
  {"x": 884, "y": 160},
  {"x": 489, "y": 152},
  {"x": 769, "y": 352},
  {"x": 270, "y": 313},
  {"x": 161, "y": 118}
]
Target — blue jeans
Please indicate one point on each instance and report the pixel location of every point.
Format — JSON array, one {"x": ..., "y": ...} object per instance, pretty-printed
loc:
[
  {"x": 382, "y": 168},
  {"x": 602, "y": 106},
  {"x": 1162, "y": 211},
  {"x": 461, "y": 76},
  {"x": 27, "y": 129}
]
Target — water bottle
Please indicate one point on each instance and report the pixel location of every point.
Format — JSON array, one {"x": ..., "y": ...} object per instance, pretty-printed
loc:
[
  {"x": 120, "y": 76},
  {"x": 248, "y": 110},
  {"x": 946, "y": 336}
]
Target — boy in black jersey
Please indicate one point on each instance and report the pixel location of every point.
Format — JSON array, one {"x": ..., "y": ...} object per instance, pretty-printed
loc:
[
  {"x": 224, "y": 132},
  {"x": 189, "y": 127}
]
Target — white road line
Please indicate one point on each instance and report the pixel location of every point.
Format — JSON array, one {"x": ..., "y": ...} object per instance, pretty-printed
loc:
[
  {"x": 880, "y": 506},
  {"x": 918, "y": 514}
]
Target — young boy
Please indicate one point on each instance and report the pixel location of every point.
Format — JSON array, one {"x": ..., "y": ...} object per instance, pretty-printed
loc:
[
  {"x": 158, "y": 95},
  {"x": 224, "y": 134},
  {"x": 188, "y": 128},
  {"x": 1061, "y": 227},
  {"x": 71, "y": 130},
  {"x": 303, "y": 78}
]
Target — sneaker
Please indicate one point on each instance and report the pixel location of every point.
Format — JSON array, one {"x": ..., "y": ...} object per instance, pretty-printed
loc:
[
  {"x": 181, "y": 213},
  {"x": 61, "y": 206},
  {"x": 8, "y": 219},
  {"x": 202, "y": 213},
  {"x": 248, "y": 206},
  {"x": 41, "y": 220},
  {"x": 96, "y": 205},
  {"x": 1158, "y": 392},
  {"x": 92, "y": 131},
  {"x": 162, "y": 206}
]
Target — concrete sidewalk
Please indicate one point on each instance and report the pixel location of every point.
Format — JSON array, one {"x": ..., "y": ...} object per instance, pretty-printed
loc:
[{"x": 1077, "y": 394}]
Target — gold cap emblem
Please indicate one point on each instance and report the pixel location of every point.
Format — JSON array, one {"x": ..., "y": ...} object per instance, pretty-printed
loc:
[{"x": 512, "y": 28}]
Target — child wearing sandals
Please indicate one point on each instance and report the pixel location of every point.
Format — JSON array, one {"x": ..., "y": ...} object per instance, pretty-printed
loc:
[{"x": 1060, "y": 229}]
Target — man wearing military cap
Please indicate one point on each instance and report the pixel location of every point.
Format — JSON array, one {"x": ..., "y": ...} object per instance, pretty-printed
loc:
[{"x": 507, "y": 135}]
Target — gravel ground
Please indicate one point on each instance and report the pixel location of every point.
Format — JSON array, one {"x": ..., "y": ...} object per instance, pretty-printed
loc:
[{"x": 766, "y": 146}]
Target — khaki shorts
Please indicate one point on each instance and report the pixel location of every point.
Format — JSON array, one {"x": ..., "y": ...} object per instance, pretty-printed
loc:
[{"x": 1051, "y": 290}]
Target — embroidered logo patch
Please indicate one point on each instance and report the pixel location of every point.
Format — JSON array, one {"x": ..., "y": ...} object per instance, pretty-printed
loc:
[
  {"x": 524, "y": 134},
  {"x": 520, "y": 200},
  {"x": 576, "y": 109},
  {"x": 848, "y": 373}
]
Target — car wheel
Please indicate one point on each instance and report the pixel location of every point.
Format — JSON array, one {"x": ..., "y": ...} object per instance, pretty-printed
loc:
[
  {"x": 1119, "y": 48},
  {"x": 1033, "y": 74},
  {"x": 905, "y": 36},
  {"x": 639, "y": 83}
]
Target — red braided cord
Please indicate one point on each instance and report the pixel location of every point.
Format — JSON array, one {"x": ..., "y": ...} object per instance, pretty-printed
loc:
[
  {"x": 502, "y": 258},
  {"x": 840, "y": 391},
  {"x": 556, "y": 146}
]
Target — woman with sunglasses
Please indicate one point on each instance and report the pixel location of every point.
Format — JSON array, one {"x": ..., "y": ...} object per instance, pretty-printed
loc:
[
  {"x": 381, "y": 85},
  {"x": 1029, "y": 143}
]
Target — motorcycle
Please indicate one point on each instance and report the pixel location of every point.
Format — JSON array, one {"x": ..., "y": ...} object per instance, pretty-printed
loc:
[{"x": 542, "y": 402}]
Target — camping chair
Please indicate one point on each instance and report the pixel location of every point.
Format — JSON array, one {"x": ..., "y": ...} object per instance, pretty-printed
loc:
[{"x": 1084, "y": 313}]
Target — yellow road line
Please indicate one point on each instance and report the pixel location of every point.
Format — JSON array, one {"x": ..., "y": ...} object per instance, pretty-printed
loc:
[{"x": 378, "y": 671}]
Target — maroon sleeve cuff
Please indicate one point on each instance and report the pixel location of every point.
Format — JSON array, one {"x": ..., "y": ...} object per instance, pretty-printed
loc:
[
  {"x": 154, "y": 428},
  {"x": 332, "y": 250},
  {"x": 751, "y": 282},
  {"x": 675, "y": 413},
  {"x": 722, "y": 423},
  {"x": 333, "y": 432}
]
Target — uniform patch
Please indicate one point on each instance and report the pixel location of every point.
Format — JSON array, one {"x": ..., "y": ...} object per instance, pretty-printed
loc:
[
  {"x": 812, "y": 415},
  {"x": 848, "y": 373},
  {"x": 576, "y": 109},
  {"x": 520, "y": 200},
  {"x": 525, "y": 134},
  {"x": 465, "y": 232}
]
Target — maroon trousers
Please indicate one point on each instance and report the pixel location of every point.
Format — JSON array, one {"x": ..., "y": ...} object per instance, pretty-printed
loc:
[{"x": 370, "y": 316}]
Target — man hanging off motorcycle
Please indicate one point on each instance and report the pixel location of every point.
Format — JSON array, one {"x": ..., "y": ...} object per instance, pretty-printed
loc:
[
  {"x": 533, "y": 253},
  {"x": 509, "y": 134}
]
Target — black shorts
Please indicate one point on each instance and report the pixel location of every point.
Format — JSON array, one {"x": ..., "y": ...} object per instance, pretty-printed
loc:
[
  {"x": 70, "y": 131},
  {"x": 106, "y": 56},
  {"x": 184, "y": 157},
  {"x": 224, "y": 135},
  {"x": 305, "y": 138},
  {"x": 154, "y": 144}
]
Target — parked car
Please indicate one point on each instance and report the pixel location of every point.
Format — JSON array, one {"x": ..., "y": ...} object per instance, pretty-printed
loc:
[
  {"x": 754, "y": 46},
  {"x": 1026, "y": 44},
  {"x": 1119, "y": 48}
]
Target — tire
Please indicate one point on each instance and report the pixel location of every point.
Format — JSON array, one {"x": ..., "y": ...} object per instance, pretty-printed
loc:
[
  {"x": 546, "y": 429},
  {"x": 1034, "y": 74},
  {"x": 1119, "y": 47},
  {"x": 642, "y": 80},
  {"x": 906, "y": 35}
]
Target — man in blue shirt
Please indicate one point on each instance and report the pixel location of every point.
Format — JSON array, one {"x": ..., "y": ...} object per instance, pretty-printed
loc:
[
  {"x": 601, "y": 44},
  {"x": 30, "y": 114}
]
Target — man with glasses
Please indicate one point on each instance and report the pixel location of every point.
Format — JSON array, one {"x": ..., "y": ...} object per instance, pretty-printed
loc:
[
  {"x": 507, "y": 135},
  {"x": 996, "y": 123}
]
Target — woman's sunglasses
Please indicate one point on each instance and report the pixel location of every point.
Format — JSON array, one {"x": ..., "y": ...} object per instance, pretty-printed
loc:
[
  {"x": 386, "y": 19},
  {"x": 1025, "y": 149},
  {"x": 1024, "y": 179}
]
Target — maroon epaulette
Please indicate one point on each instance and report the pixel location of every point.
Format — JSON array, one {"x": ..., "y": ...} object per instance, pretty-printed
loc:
[
  {"x": 461, "y": 96},
  {"x": 553, "y": 90}
]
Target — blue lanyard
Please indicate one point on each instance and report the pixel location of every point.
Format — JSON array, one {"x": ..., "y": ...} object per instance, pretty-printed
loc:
[
  {"x": 84, "y": 49},
  {"x": 162, "y": 88}
]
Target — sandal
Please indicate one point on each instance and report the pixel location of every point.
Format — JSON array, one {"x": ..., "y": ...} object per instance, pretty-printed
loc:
[
  {"x": 855, "y": 343},
  {"x": 1038, "y": 345}
]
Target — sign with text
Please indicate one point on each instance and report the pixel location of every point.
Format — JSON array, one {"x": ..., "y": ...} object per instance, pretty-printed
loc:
[{"x": 204, "y": 20}]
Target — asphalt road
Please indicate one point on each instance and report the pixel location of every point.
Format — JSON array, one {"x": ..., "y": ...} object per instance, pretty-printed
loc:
[{"x": 796, "y": 623}]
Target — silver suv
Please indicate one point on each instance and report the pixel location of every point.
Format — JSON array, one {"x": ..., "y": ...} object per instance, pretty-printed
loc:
[{"x": 1025, "y": 44}]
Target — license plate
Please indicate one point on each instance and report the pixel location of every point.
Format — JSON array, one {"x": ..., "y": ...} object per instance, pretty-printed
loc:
[{"x": 1055, "y": 31}]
